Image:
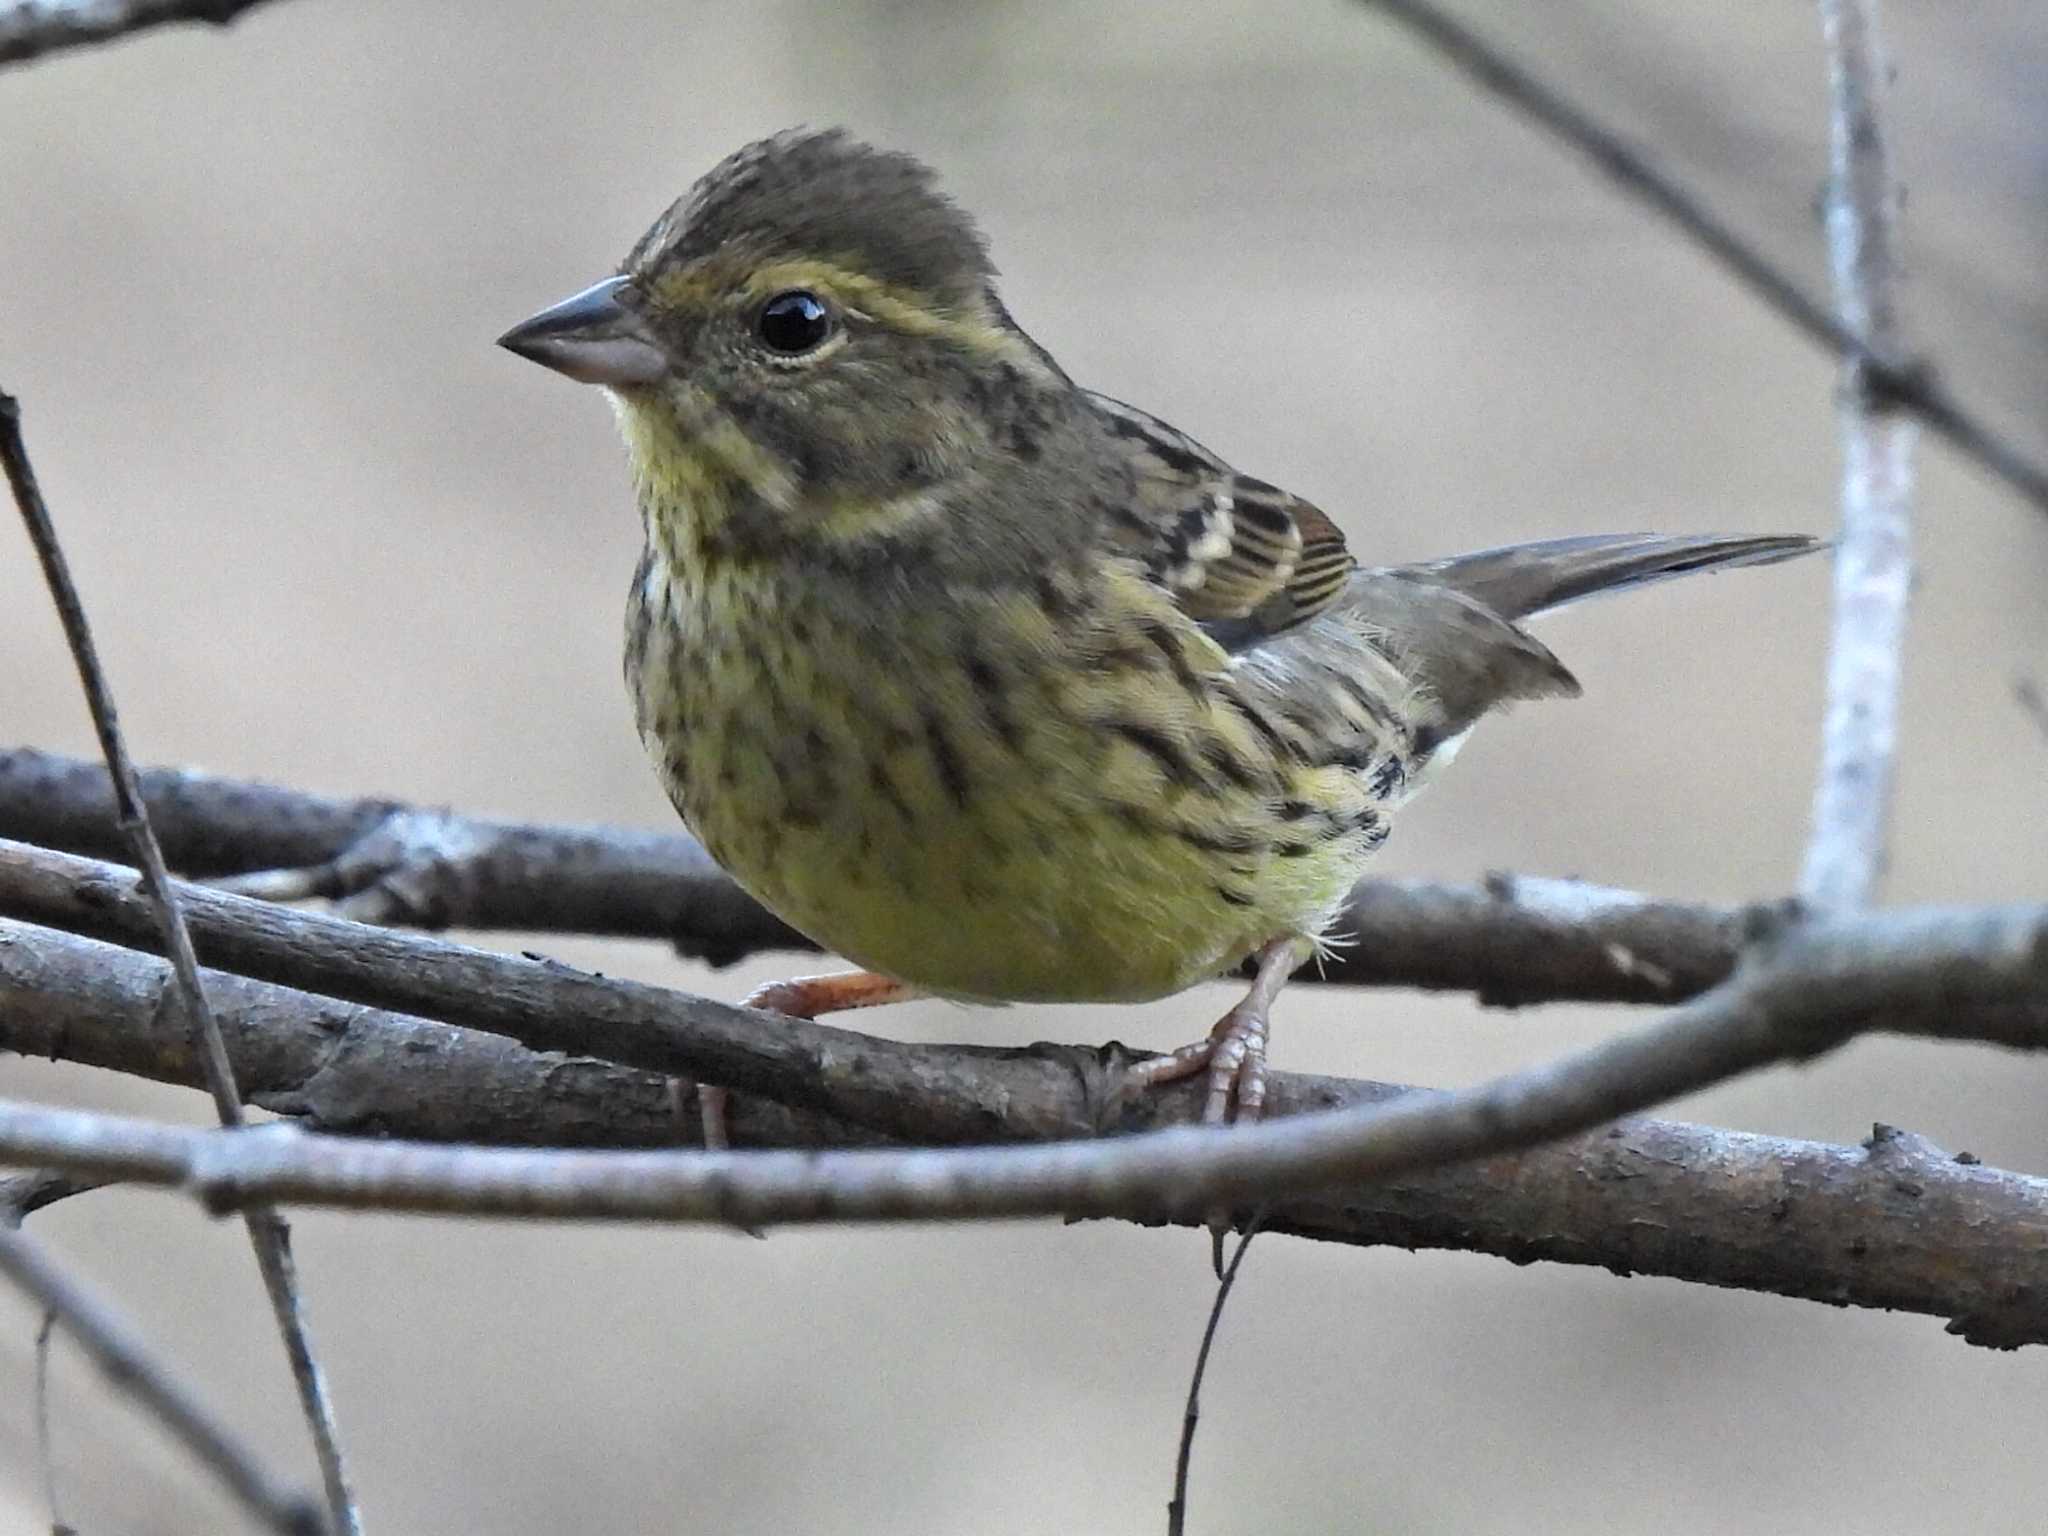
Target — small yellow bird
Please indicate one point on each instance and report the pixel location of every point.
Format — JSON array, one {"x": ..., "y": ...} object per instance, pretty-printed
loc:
[{"x": 1001, "y": 688}]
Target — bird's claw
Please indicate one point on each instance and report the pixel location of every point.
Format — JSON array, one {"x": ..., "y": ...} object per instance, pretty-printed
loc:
[{"x": 1234, "y": 1056}]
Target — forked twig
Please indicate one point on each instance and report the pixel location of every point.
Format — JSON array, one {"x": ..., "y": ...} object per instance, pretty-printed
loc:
[
  {"x": 1901, "y": 381},
  {"x": 268, "y": 1234},
  {"x": 127, "y": 1363}
]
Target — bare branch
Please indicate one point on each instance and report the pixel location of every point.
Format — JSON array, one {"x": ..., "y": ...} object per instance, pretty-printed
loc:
[
  {"x": 551, "y": 1007},
  {"x": 1845, "y": 858},
  {"x": 114, "y": 1346},
  {"x": 863, "y": 1078},
  {"x": 1786, "y": 1217},
  {"x": 1894, "y": 379},
  {"x": 1650, "y": 1197},
  {"x": 1516, "y": 940},
  {"x": 1974, "y": 974},
  {"x": 389, "y": 862},
  {"x": 30, "y": 29},
  {"x": 268, "y": 1234},
  {"x": 366, "y": 1071}
]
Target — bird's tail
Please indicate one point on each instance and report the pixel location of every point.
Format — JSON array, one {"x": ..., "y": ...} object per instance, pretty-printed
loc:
[
  {"x": 1453, "y": 625},
  {"x": 1523, "y": 579}
]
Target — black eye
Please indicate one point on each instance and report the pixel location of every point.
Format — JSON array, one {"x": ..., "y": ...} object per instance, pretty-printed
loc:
[{"x": 794, "y": 322}]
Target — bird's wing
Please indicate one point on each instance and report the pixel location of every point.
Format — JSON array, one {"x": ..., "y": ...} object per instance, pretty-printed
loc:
[{"x": 1243, "y": 557}]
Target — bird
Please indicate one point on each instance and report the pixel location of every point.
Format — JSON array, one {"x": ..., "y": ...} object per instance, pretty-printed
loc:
[{"x": 1000, "y": 688}]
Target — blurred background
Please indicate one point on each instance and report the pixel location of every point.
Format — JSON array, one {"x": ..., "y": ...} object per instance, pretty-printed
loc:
[{"x": 332, "y": 537}]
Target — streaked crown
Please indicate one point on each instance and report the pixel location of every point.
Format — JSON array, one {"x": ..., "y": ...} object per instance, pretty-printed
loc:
[{"x": 824, "y": 195}]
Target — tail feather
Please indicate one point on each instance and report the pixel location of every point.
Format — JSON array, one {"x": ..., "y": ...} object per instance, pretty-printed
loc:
[
  {"x": 1452, "y": 625},
  {"x": 1524, "y": 579}
]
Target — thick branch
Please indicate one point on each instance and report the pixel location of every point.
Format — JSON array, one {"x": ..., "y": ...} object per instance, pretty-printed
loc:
[
  {"x": 366, "y": 1071},
  {"x": 1963, "y": 974},
  {"x": 1898, "y": 380},
  {"x": 1973, "y": 974},
  {"x": 965, "y": 1095},
  {"x": 1874, "y": 558},
  {"x": 1517, "y": 940},
  {"x": 29, "y": 29},
  {"x": 1893, "y": 1225}
]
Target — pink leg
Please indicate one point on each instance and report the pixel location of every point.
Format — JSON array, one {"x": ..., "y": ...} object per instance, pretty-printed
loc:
[
  {"x": 807, "y": 997},
  {"x": 1235, "y": 1052},
  {"x": 801, "y": 997}
]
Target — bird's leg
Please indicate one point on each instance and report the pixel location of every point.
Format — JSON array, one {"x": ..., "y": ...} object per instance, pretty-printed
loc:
[
  {"x": 1235, "y": 1052},
  {"x": 807, "y": 997},
  {"x": 800, "y": 997}
]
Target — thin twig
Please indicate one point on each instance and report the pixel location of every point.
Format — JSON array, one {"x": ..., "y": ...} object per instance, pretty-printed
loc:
[
  {"x": 31, "y": 29},
  {"x": 2027, "y": 694},
  {"x": 23, "y": 1194},
  {"x": 113, "y": 1345},
  {"x": 1791, "y": 1218},
  {"x": 46, "y": 1444},
  {"x": 1177, "y": 1507},
  {"x": 1845, "y": 858},
  {"x": 1901, "y": 381},
  {"x": 268, "y": 1234}
]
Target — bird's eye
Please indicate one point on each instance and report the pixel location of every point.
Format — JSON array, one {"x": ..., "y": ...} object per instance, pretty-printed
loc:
[{"x": 794, "y": 322}]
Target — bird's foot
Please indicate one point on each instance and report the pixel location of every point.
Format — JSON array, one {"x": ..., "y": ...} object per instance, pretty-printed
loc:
[
  {"x": 1234, "y": 1055},
  {"x": 1235, "y": 1052}
]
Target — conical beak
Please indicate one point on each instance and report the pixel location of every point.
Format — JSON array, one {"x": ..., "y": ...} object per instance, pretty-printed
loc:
[{"x": 593, "y": 338}]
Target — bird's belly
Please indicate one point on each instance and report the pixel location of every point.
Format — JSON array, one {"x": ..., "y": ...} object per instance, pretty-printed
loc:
[
  {"x": 1026, "y": 887},
  {"x": 984, "y": 831},
  {"x": 967, "y": 916}
]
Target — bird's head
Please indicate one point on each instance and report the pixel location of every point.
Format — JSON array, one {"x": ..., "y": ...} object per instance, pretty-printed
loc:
[{"x": 813, "y": 325}]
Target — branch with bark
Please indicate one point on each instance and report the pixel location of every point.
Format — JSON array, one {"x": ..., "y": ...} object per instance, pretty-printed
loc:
[
  {"x": 1517, "y": 939},
  {"x": 1630, "y": 1196},
  {"x": 31, "y": 29}
]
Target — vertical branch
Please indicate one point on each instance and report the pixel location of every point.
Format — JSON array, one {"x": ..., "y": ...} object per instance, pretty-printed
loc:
[
  {"x": 1874, "y": 564},
  {"x": 268, "y": 1234}
]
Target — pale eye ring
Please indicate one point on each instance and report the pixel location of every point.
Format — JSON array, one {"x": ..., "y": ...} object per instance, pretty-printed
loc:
[{"x": 794, "y": 322}]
